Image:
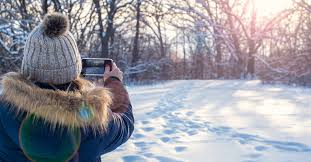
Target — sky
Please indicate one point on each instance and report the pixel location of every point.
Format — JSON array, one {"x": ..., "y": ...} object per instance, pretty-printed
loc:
[{"x": 268, "y": 7}]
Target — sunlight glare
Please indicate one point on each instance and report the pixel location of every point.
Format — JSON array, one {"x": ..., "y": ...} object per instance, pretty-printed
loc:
[{"x": 267, "y": 7}]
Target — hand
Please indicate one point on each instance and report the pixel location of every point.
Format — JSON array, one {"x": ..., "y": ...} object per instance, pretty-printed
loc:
[{"x": 116, "y": 72}]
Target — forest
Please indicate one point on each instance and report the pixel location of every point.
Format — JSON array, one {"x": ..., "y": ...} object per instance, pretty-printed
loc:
[{"x": 155, "y": 40}]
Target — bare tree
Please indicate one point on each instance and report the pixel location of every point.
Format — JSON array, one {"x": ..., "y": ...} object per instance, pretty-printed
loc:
[
  {"x": 106, "y": 35},
  {"x": 135, "y": 54}
]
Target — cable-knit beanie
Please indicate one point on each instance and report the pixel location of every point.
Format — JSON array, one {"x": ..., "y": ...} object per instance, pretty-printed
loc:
[{"x": 51, "y": 54}]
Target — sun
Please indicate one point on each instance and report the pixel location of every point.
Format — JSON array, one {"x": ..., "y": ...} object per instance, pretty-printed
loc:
[{"x": 270, "y": 7}]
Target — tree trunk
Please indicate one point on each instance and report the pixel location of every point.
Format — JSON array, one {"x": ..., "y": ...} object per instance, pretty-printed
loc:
[
  {"x": 135, "y": 53},
  {"x": 184, "y": 59},
  {"x": 109, "y": 34},
  {"x": 162, "y": 48},
  {"x": 219, "y": 69},
  {"x": 250, "y": 72},
  {"x": 44, "y": 7},
  {"x": 102, "y": 35},
  {"x": 57, "y": 5},
  {"x": 238, "y": 65}
]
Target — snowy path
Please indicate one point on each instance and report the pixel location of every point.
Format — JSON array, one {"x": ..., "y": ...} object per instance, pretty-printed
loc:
[{"x": 218, "y": 121}]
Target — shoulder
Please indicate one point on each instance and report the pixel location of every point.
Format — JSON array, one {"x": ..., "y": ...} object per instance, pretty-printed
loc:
[
  {"x": 7, "y": 112},
  {"x": 4, "y": 105}
]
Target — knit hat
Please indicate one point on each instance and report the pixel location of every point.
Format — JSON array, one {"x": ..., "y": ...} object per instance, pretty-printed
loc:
[{"x": 51, "y": 54}]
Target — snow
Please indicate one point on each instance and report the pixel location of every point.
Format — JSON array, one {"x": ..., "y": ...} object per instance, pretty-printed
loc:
[{"x": 218, "y": 121}]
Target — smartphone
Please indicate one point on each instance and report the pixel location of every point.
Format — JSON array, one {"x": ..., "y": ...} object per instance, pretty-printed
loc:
[{"x": 95, "y": 67}]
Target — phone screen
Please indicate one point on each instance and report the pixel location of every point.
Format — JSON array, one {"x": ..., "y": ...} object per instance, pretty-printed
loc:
[{"x": 95, "y": 67}]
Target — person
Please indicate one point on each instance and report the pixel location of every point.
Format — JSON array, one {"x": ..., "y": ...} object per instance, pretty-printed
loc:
[{"x": 48, "y": 113}]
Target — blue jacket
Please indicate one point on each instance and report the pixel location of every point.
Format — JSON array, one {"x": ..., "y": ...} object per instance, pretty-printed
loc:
[{"x": 38, "y": 123}]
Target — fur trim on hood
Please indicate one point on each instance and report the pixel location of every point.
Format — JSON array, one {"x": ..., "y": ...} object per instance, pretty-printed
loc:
[{"x": 86, "y": 108}]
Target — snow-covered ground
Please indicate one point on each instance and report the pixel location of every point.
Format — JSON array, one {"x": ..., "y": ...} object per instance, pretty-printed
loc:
[{"x": 218, "y": 121}]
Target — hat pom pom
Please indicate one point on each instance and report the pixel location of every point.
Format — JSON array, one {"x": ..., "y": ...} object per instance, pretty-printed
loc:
[{"x": 55, "y": 24}]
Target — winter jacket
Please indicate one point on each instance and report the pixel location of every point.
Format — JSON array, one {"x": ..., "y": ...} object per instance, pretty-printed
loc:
[{"x": 43, "y": 124}]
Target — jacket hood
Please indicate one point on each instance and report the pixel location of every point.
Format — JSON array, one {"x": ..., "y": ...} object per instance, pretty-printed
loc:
[{"x": 87, "y": 107}]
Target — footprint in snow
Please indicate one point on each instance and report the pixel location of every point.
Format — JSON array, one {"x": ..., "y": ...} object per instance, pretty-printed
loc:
[
  {"x": 166, "y": 159},
  {"x": 248, "y": 161},
  {"x": 253, "y": 156},
  {"x": 169, "y": 131},
  {"x": 133, "y": 158},
  {"x": 288, "y": 146},
  {"x": 142, "y": 145},
  {"x": 189, "y": 113},
  {"x": 145, "y": 122},
  {"x": 148, "y": 129},
  {"x": 180, "y": 148},
  {"x": 138, "y": 136},
  {"x": 177, "y": 113},
  {"x": 261, "y": 148},
  {"x": 148, "y": 155},
  {"x": 165, "y": 139},
  {"x": 192, "y": 132}
]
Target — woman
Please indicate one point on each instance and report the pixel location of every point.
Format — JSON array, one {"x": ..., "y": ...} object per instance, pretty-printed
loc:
[{"x": 49, "y": 114}]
